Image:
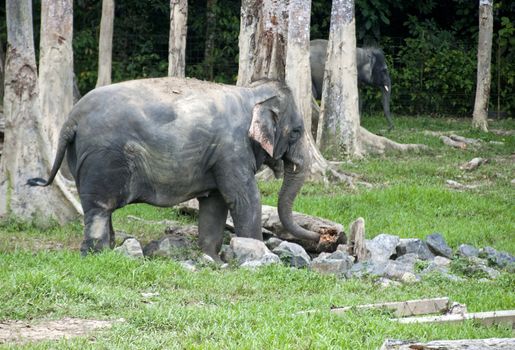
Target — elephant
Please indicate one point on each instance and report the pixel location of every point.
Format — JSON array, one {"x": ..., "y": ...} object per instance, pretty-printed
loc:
[
  {"x": 371, "y": 67},
  {"x": 163, "y": 141}
]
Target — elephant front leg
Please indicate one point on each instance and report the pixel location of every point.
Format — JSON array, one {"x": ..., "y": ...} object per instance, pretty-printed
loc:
[
  {"x": 240, "y": 192},
  {"x": 212, "y": 218}
]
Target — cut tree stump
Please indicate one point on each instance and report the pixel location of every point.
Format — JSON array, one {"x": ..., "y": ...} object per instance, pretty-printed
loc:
[
  {"x": 405, "y": 308},
  {"x": 506, "y": 317},
  {"x": 356, "y": 243},
  {"x": 464, "y": 344}
]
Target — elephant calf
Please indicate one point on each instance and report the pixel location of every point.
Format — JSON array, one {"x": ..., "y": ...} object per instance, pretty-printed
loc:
[
  {"x": 371, "y": 67},
  {"x": 163, "y": 141}
]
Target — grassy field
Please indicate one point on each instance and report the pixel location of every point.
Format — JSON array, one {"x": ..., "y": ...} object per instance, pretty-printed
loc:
[{"x": 43, "y": 277}]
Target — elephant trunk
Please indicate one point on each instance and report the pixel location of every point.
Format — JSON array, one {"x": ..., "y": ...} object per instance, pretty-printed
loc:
[
  {"x": 387, "y": 90},
  {"x": 295, "y": 174}
]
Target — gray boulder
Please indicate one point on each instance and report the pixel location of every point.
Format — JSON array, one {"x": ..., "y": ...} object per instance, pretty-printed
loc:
[
  {"x": 337, "y": 263},
  {"x": 131, "y": 248},
  {"x": 402, "y": 269},
  {"x": 273, "y": 242},
  {"x": 266, "y": 259},
  {"x": 382, "y": 247},
  {"x": 500, "y": 259},
  {"x": 178, "y": 244},
  {"x": 249, "y": 249},
  {"x": 438, "y": 246},
  {"x": 292, "y": 254},
  {"x": 466, "y": 250},
  {"x": 414, "y": 246}
]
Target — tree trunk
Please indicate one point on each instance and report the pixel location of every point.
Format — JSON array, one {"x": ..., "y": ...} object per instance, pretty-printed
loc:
[
  {"x": 177, "y": 43},
  {"x": 105, "y": 43},
  {"x": 24, "y": 157},
  {"x": 2, "y": 75},
  {"x": 339, "y": 131},
  {"x": 210, "y": 38},
  {"x": 247, "y": 40},
  {"x": 338, "y": 128},
  {"x": 55, "y": 69},
  {"x": 484, "y": 53}
]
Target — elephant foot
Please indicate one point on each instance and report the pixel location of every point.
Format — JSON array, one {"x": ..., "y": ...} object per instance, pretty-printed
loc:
[{"x": 92, "y": 246}]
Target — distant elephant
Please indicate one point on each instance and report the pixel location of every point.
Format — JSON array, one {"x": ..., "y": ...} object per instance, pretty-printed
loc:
[
  {"x": 371, "y": 67},
  {"x": 163, "y": 141}
]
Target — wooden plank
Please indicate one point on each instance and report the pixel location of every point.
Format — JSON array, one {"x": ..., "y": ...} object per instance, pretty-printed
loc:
[
  {"x": 486, "y": 318},
  {"x": 464, "y": 344},
  {"x": 405, "y": 308}
]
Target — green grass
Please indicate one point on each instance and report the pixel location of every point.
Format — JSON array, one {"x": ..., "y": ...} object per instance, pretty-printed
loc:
[{"x": 43, "y": 277}]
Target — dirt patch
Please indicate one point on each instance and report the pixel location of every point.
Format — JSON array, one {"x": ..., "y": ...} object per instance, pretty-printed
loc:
[{"x": 25, "y": 332}]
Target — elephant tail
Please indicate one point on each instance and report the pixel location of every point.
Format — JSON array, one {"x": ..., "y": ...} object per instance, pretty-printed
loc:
[{"x": 66, "y": 136}]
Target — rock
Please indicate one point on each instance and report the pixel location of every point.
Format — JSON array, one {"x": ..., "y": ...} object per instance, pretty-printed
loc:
[
  {"x": 174, "y": 245},
  {"x": 438, "y": 246},
  {"x": 500, "y": 259},
  {"x": 441, "y": 261},
  {"x": 121, "y": 236},
  {"x": 266, "y": 259},
  {"x": 414, "y": 246},
  {"x": 402, "y": 269},
  {"x": 466, "y": 250},
  {"x": 131, "y": 248},
  {"x": 366, "y": 268},
  {"x": 206, "y": 259},
  {"x": 188, "y": 265},
  {"x": 273, "y": 242},
  {"x": 248, "y": 249},
  {"x": 292, "y": 254},
  {"x": 226, "y": 253},
  {"x": 382, "y": 247},
  {"x": 479, "y": 266},
  {"x": 441, "y": 265},
  {"x": 386, "y": 282},
  {"x": 338, "y": 264}
]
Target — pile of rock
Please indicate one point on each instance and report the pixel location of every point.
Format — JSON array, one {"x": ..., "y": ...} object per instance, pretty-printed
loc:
[{"x": 389, "y": 257}]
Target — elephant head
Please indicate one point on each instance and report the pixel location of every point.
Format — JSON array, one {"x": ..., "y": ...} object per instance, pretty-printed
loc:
[{"x": 278, "y": 127}]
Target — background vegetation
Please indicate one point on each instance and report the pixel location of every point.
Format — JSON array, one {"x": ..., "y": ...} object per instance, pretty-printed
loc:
[{"x": 431, "y": 47}]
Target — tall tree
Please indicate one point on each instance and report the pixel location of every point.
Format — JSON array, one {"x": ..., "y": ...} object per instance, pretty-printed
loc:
[
  {"x": 210, "y": 38},
  {"x": 177, "y": 43},
  {"x": 484, "y": 54},
  {"x": 105, "y": 43},
  {"x": 339, "y": 114},
  {"x": 23, "y": 156},
  {"x": 339, "y": 130},
  {"x": 55, "y": 67}
]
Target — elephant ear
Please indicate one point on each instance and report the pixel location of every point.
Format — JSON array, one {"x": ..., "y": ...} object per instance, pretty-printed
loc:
[{"x": 263, "y": 126}]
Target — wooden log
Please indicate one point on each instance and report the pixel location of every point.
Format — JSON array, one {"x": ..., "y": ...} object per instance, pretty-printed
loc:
[
  {"x": 331, "y": 233},
  {"x": 405, "y": 308},
  {"x": 356, "y": 243},
  {"x": 463, "y": 344},
  {"x": 488, "y": 318},
  {"x": 473, "y": 164},
  {"x": 450, "y": 142}
]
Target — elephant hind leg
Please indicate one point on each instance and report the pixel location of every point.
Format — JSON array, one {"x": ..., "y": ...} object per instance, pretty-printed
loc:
[
  {"x": 98, "y": 231},
  {"x": 212, "y": 216}
]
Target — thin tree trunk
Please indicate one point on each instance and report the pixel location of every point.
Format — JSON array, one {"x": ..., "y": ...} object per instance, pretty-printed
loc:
[
  {"x": 210, "y": 38},
  {"x": 105, "y": 45},
  {"x": 2, "y": 75},
  {"x": 177, "y": 43},
  {"x": 23, "y": 157},
  {"x": 339, "y": 117},
  {"x": 247, "y": 40},
  {"x": 55, "y": 68},
  {"x": 484, "y": 53}
]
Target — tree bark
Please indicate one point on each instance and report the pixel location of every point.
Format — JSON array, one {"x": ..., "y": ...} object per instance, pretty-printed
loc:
[
  {"x": 2, "y": 75},
  {"x": 177, "y": 43},
  {"x": 55, "y": 69},
  {"x": 24, "y": 157},
  {"x": 484, "y": 54},
  {"x": 105, "y": 43},
  {"x": 210, "y": 38},
  {"x": 247, "y": 40},
  {"x": 338, "y": 129}
]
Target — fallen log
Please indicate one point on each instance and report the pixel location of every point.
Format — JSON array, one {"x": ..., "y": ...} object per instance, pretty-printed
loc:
[
  {"x": 463, "y": 344},
  {"x": 404, "y": 308},
  {"x": 506, "y": 317},
  {"x": 473, "y": 164},
  {"x": 331, "y": 233},
  {"x": 450, "y": 142}
]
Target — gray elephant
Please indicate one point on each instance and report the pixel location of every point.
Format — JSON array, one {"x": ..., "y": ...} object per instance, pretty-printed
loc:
[
  {"x": 371, "y": 67},
  {"x": 163, "y": 141}
]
